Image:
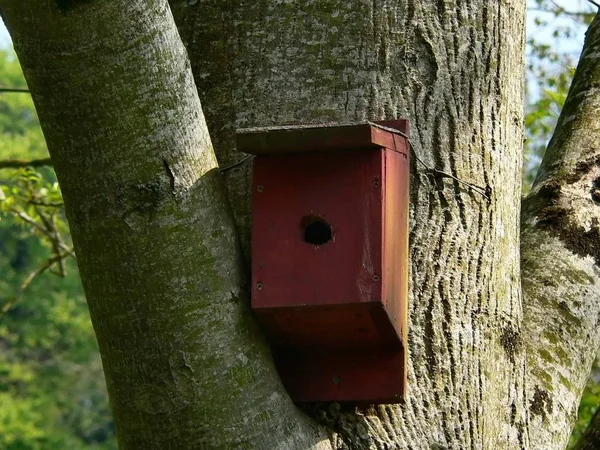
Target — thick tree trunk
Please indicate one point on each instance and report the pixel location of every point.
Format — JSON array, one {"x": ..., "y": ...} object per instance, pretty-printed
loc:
[
  {"x": 455, "y": 68},
  {"x": 560, "y": 259},
  {"x": 156, "y": 244}
]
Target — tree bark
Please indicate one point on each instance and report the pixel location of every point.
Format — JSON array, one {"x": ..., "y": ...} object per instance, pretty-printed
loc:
[
  {"x": 156, "y": 245},
  {"x": 560, "y": 257},
  {"x": 158, "y": 251},
  {"x": 455, "y": 69}
]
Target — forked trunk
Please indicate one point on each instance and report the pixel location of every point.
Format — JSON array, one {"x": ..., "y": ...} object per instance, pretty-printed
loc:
[{"x": 158, "y": 251}]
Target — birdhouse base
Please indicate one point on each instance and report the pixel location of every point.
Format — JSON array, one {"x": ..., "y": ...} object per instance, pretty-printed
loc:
[{"x": 367, "y": 376}]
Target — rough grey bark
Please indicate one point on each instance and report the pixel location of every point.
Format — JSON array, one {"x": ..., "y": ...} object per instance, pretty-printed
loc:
[
  {"x": 561, "y": 256},
  {"x": 156, "y": 244},
  {"x": 454, "y": 68}
]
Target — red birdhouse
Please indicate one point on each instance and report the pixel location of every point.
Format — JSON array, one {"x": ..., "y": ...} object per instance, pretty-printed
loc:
[{"x": 330, "y": 257}]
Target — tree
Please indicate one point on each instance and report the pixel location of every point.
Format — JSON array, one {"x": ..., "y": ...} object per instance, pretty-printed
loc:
[
  {"x": 491, "y": 365},
  {"x": 551, "y": 60},
  {"x": 52, "y": 391}
]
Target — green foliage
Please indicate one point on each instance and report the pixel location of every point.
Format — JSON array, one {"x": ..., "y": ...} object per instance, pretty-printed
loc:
[
  {"x": 52, "y": 392},
  {"x": 588, "y": 406},
  {"x": 553, "y": 47},
  {"x": 540, "y": 119},
  {"x": 19, "y": 125},
  {"x": 34, "y": 201}
]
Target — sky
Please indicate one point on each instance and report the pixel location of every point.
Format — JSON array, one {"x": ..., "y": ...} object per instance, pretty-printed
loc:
[
  {"x": 4, "y": 36},
  {"x": 545, "y": 33}
]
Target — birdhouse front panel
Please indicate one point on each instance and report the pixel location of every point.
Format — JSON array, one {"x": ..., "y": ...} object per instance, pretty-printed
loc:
[
  {"x": 316, "y": 227},
  {"x": 330, "y": 257},
  {"x": 317, "y": 238}
]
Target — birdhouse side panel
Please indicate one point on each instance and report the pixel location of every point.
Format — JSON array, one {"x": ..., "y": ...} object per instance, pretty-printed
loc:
[{"x": 395, "y": 230}]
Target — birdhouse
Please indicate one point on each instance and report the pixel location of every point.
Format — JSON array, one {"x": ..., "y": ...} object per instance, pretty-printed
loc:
[{"x": 330, "y": 257}]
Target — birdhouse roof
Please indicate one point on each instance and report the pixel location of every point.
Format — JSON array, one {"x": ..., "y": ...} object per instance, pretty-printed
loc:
[{"x": 324, "y": 138}]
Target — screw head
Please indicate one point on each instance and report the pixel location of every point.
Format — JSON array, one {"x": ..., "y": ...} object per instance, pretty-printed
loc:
[
  {"x": 336, "y": 380},
  {"x": 259, "y": 286},
  {"x": 259, "y": 188},
  {"x": 376, "y": 183},
  {"x": 375, "y": 277}
]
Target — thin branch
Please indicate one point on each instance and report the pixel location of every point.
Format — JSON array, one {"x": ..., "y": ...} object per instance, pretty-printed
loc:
[
  {"x": 45, "y": 205},
  {"x": 32, "y": 276},
  {"x": 561, "y": 10},
  {"x": 54, "y": 236},
  {"x": 20, "y": 163},
  {"x": 595, "y": 3},
  {"x": 576, "y": 16},
  {"x": 15, "y": 90},
  {"x": 58, "y": 244},
  {"x": 30, "y": 220},
  {"x": 49, "y": 233}
]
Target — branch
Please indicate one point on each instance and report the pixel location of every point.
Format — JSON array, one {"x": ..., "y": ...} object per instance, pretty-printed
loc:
[
  {"x": 32, "y": 276},
  {"x": 49, "y": 45},
  {"x": 46, "y": 205},
  {"x": 15, "y": 90},
  {"x": 54, "y": 236},
  {"x": 560, "y": 258},
  {"x": 20, "y": 163},
  {"x": 575, "y": 15},
  {"x": 46, "y": 230}
]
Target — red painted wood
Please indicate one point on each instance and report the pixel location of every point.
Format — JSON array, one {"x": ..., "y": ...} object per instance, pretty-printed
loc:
[
  {"x": 395, "y": 237},
  {"x": 346, "y": 325},
  {"x": 371, "y": 376},
  {"x": 336, "y": 309},
  {"x": 337, "y": 187},
  {"x": 303, "y": 139}
]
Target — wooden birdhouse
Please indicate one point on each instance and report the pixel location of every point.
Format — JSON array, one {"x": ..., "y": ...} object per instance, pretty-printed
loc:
[{"x": 330, "y": 257}]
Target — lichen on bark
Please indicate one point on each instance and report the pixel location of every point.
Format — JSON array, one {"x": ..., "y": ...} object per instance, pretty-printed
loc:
[
  {"x": 156, "y": 244},
  {"x": 560, "y": 243}
]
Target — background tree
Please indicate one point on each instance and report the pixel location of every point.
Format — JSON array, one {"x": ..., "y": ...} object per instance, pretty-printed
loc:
[
  {"x": 258, "y": 65},
  {"x": 52, "y": 392},
  {"x": 553, "y": 48},
  {"x": 551, "y": 61}
]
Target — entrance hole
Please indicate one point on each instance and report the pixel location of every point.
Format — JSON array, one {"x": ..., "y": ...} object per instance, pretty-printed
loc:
[{"x": 316, "y": 230}]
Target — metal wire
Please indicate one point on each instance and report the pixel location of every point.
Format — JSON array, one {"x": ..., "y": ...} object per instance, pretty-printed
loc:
[
  {"x": 236, "y": 164},
  {"x": 478, "y": 189}
]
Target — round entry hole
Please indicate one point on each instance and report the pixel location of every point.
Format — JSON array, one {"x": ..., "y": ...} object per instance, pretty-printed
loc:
[{"x": 316, "y": 230}]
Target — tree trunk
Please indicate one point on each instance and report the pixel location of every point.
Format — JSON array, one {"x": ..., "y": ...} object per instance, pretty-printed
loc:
[
  {"x": 156, "y": 244},
  {"x": 158, "y": 252},
  {"x": 560, "y": 257},
  {"x": 456, "y": 70}
]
